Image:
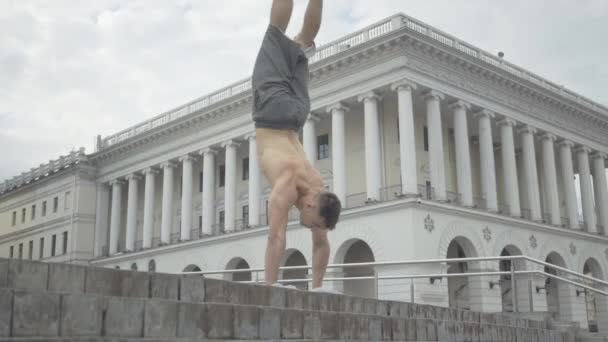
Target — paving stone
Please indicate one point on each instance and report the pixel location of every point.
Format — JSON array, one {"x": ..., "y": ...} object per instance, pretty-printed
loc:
[
  {"x": 387, "y": 328},
  {"x": 66, "y": 278},
  {"x": 295, "y": 299},
  {"x": 263, "y": 295},
  {"x": 292, "y": 323},
  {"x": 81, "y": 315},
  {"x": 192, "y": 320},
  {"x": 270, "y": 323},
  {"x": 398, "y": 328},
  {"x": 160, "y": 319},
  {"x": 124, "y": 317},
  {"x": 375, "y": 328},
  {"x": 6, "y": 307},
  {"x": 220, "y": 320},
  {"x": 164, "y": 286},
  {"x": 411, "y": 333},
  {"x": 3, "y": 273},
  {"x": 192, "y": 288},
  {"x": 24, "y": 274},
  {"x": 119, "y": 283},
  {"x": 246, "y": 321},
  {"x": 35, "y": 314}
]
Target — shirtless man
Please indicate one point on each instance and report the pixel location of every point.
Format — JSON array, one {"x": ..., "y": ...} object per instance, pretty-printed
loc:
[{"x": 280, "y": 107}]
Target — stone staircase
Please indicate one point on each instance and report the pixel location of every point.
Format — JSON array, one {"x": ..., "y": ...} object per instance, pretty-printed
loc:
[{"x": 61, "y": 302}]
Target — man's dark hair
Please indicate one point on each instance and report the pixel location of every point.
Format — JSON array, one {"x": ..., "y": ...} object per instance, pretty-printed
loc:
[{"x": 329, "y": 208}]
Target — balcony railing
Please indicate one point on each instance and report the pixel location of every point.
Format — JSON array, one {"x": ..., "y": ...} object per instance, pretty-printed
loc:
[
  {"x": 390, "y": 193},
  {"x": 454, "y": 197},
  {"x": 565, "y": 221},
  {"x": 139, "y": 245},
  {"x": 480, "y": 203},
  {"x": 526, "y": 213},
  {"x": 504, "y": 209},
  {"x": 155, "y": 242}
]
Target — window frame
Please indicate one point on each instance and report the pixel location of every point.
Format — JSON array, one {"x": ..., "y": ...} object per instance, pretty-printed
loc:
[
  {"x": 222, "y": 176},
  {"x": 323, "y": 147},
  {"x": 245, "y": 165}
]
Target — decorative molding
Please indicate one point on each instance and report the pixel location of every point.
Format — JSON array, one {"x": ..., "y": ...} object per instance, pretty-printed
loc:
[
  {"x": 484, "y": 113},
  {"x": 338, "y": 106},
  {"x": 459, "y": 104},
  {"x": 533, "y": 242},
  {"x": 429, "y": 224},
  {"x": 487, "y": 234},
  {"x": 433, "y": 94},
  {"x": 404, "y": 84},
  {"x": 572, "y": 247},
  {"x": 370, "y": 95}
]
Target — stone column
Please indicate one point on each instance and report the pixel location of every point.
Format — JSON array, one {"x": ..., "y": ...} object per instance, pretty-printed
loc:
[
  {"x": 187, "y": 175},
  {"x": 372, "y": 144},
  {"x": 509, "y": 165},
  {"x": 436, "y": 162},
  {"x": 407, "y": 138},
  {"x": 254, "y": 182},
  {"x": 230, "y": 186},
  {"x": 530, "y": 172},
  {"x": 584, "y": 176},
  {"x": 565, "y": 156},
  {"x": 208, "y": 195},
  {"x": 115, "y": 215},
  {"x": 338, "y": 154},
  {"x": 309, "y": 136},
  {"x": 101, "y": 217},
  {"x": 167, "y": 213},
  {"x": 486, "y": 159},
  {"x": 550, "y": 175},
  {"x": 149, "y": 195},
  {"x": 601, "y": 189},
  {"x": 463, "y": 156},
  {"x": 132, "y": 199}
]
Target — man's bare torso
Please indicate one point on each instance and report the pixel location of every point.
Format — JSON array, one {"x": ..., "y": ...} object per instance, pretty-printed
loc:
[{"x": 280, "y": 149}]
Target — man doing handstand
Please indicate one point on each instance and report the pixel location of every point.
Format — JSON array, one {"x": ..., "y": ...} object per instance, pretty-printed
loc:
[{"x": 280, "y": 106}]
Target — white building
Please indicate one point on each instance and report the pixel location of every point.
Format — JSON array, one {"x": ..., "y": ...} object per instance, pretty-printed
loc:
[{"x": 436, "y": 148}]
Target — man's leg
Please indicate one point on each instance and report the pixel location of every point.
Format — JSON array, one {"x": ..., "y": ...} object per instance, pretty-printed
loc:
[
  {"x": 320, "y": 256},
  {"x": 312, "y": 23},
  {"x": 281, "y": 13}
]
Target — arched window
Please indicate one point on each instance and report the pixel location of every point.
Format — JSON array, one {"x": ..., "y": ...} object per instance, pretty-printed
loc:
[
  {"x": 134, "y": 266},
  {"x": 117, "y": 267}
]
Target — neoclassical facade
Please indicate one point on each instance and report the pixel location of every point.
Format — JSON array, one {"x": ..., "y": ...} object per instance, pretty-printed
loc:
[{"x": 436, "y": 149}]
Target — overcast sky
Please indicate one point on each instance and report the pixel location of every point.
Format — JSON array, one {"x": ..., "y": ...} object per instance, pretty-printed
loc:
[{"x": 70, "y": 70}]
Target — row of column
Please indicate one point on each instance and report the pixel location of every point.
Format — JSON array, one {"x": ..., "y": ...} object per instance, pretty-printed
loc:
[
  {"x": 484, "y": 117},
  {"x": 168, "y": 173}
]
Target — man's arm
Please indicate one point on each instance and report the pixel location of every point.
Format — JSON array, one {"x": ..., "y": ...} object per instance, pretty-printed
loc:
[
  {"x": 312, "y": 23},
  {"x": 320, "y": 256},
  {"x": 281, "y": 13},
  {"x": 284, "y": 194}
]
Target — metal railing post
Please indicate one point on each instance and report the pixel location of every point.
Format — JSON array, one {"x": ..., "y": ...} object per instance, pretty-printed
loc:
[
  {"x": 513, "y": 289},
  {"x": 530, "y": 295},
  {"x": 257, "y": 277},
  {"x": 376, "y": 283},
  {"x": 412, "y": 297}
]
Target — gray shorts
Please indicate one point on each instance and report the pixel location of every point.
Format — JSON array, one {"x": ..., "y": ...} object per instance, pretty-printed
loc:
[{"x": 280, "y": 83}]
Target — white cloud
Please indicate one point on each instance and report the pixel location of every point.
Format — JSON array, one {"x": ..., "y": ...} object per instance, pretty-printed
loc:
[{"x": 73, "y": 69}]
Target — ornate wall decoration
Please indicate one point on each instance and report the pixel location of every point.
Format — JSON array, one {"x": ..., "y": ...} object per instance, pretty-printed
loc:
[
  {"x": 429, "y": 224},
  {"x": 533, "y": 242},
  {"x": 572, "y": 248},
  {"x": 487, "y": 234}
]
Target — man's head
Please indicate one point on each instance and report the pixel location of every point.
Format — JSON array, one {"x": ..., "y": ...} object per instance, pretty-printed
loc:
[{"x": 320, "y": 210}]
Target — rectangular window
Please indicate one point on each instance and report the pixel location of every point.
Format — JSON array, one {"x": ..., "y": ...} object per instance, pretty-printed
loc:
[
  {"x": 30, "y": 251},
  {"x": 200, "y": 182},
  {"x": 245, "y": 215},
  {"x": 44, "y": 208},
  {"x": 12, "y": 252},
  {"x": 20, "y": 251},
  {"x": 22, "y": 215},
  {"x": 429, "y": 190},
  {"x": 33, "y": 212},
  {"x": 65, "y": 243},
  {"x": 55, "y": 204},
  {"x": 221, "y": 220},
  {"x": 68, "y": 200},
  {"x": 41, "y": 253},
  {"x": 323, "y": 147},
  {"x": 222, "y": 175},
  {"x": 200, "y": 222},
  {"x": 53, "y": 244},
  {"x": 245, "y": 168},
  {"x": 426, "y": 138},
  {"x": 14, "y": 218}
]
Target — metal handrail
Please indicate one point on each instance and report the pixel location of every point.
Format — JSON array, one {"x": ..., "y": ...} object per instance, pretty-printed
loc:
[{"x": 434, "y": 261}]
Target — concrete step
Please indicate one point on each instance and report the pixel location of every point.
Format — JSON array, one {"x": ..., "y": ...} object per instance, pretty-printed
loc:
[
  {"x": 32, "y": 313},
  {"x": 76, "y": 279}
]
